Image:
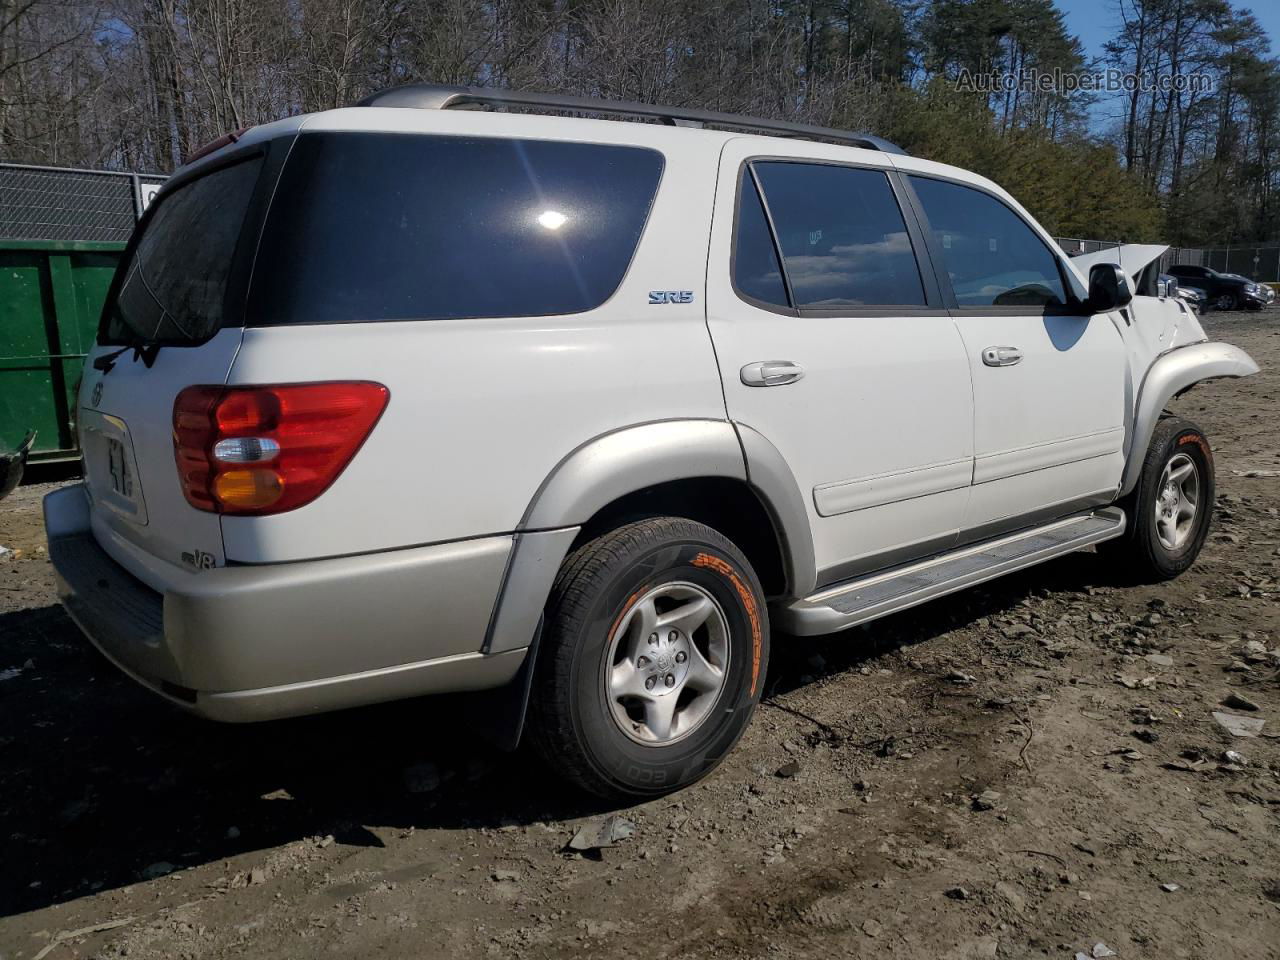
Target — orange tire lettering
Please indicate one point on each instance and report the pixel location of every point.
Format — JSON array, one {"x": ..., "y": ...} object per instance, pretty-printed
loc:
[{"x": 748, "y": 601}]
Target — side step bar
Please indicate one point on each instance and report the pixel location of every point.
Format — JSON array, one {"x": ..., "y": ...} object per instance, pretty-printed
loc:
[{"x": 848, "y": 604}]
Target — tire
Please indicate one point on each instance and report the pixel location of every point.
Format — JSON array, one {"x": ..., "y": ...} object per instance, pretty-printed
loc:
[
  {"x": 1227, "y": 301},
  {"x": 1152, "y": 550},
  {"x": 598, "y": 715}
]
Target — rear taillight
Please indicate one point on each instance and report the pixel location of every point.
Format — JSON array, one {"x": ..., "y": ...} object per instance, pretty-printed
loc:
[{"x": 259, "y": 450}]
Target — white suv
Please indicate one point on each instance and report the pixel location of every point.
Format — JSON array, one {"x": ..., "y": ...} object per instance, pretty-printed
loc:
[{"x": 402, "y": 399}]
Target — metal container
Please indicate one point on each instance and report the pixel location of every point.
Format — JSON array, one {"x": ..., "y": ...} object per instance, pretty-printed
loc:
[
  {"x": 62, "y": 232},
  {"x": 51, "y": 295}
]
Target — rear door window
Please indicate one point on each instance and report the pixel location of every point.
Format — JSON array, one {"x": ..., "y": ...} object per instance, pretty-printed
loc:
[
  {"x": 991, "y": 255},
  {"x": 369, "y": 227},
  {"x": 756, "y": 271},
  {"x": 843, "y": 238},
  {"x": 174, "y": 285}
]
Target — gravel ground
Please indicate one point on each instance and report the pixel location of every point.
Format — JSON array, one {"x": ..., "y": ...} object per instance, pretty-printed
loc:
[{"x": 1026, "y": 769}]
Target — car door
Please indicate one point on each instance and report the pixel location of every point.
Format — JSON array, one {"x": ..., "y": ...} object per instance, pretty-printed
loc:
[
  {"x": 1048, "y": 377},
  {"x": 844, "y": 359}
]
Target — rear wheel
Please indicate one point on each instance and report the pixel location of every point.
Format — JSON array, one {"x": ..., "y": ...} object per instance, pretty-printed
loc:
[
  {"x": 1170, "y": 509},
  {"x": 654, "y": 650}
]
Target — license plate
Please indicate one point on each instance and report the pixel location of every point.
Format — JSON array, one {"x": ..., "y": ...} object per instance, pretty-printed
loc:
[
  {"x": 111, "y": 467},
  {"x": 118, "y": 469}
]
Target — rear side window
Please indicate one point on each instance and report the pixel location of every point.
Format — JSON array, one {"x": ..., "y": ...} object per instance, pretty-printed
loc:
[
  {"x": 756, "y": 271},
  {"x": 991, "y": 255},
  {"x": 173, "y": 287},
  {"x": 367, "y": 227},
  {"x": 843, "y": 238}
]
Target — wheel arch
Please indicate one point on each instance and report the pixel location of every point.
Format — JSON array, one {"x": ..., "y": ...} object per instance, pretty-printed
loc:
[
  {"x": 727, "y": 476},
  {"x": 1172, "y": 374}
]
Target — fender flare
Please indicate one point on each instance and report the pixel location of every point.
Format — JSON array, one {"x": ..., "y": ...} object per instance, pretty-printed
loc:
[
  {"x": 1171, "y": 374},
  {"x": 586, "y": 480},
  {"x": 629, "y": 459},
  {"x": 625, "y": 461},
  {"x": 775, "y": 484}
]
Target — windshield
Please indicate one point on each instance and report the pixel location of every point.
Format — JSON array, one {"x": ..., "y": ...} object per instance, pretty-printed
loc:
[{"x": 174, "y": 284}]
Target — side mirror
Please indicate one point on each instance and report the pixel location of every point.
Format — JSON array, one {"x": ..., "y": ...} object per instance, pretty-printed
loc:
[
  {"x": 1167, "y": 288},
  {"x": 1109, "y": 288}
]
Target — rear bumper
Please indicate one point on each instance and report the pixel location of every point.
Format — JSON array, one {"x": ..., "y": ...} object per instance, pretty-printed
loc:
[{"x": 259, "y": 642}]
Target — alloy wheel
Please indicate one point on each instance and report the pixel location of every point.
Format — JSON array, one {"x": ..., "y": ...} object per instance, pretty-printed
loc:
[
  {"x": 667, "y": 663},
  {"x": 1177, "y": 502}
]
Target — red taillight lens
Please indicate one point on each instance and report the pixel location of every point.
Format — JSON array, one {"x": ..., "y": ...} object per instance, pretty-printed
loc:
[{"x": 259, "y": 450}]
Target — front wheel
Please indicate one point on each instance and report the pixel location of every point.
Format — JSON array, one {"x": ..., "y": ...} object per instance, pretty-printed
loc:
[
  {"x": 654, "y": 650},
  {"x": 1226, "y": 301},
  {"x": 1170, "y": 509}
]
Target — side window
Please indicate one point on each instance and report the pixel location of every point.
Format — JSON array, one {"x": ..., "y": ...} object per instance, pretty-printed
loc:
[
  {"x": 385, "y": 226},
  {"x": 843, "y": 239},
  {"x": 991, "y": 255},
  {"x": 756, "y": 272}
]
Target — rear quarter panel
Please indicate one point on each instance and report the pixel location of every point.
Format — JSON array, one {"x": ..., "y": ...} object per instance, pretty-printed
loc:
[{"x": 482, "y": 410}]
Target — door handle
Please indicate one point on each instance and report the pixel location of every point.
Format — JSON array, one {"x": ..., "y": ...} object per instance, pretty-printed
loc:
[
  {"x": 771, "y": 373},
  {"x": 1001, "y": 356}
]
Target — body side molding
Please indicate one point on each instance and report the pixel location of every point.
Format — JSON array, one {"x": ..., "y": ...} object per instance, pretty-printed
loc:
[{"x": 1171, "y": 374}]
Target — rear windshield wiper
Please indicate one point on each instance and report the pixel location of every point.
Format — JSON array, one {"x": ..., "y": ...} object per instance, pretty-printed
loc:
[{"x": 141, "y": 348}]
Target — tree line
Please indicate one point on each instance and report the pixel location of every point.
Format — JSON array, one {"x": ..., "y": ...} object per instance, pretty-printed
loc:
[{"x": 138, "y": 84}]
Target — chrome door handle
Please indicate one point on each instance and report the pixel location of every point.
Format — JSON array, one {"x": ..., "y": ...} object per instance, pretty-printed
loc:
[
  {"x": 1001, "y": 356},
  {"x": 771, "y": 373}
]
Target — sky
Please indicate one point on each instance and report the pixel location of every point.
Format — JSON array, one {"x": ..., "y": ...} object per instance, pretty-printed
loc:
[{"x": 1096, "y": 21}]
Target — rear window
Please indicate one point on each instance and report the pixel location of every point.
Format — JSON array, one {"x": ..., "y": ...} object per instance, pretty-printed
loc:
[
  {"x": 174, "y": 285},
  {"x": 843, "y": 239},
  {"x": 367, "y": 227}
]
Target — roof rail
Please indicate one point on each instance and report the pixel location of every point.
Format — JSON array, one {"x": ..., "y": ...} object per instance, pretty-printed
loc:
[{"x": 429, "y": 96}]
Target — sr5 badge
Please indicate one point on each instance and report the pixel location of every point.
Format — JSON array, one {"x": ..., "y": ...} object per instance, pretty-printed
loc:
[{"x": 671, "y": 296}]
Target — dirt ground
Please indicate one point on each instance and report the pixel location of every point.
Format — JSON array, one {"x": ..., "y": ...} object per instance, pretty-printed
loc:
[{"x": 1027, "y": 769}]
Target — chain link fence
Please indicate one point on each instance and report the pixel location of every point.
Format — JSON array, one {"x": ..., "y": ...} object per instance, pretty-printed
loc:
[
  {"x": 53, "y": 203},
  {"x": 1260, "y": 264}
]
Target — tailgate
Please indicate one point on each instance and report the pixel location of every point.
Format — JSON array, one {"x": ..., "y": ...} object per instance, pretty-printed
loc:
[
  {"x": 126, "y": 434},
  {"x": 173, "y": 319}
]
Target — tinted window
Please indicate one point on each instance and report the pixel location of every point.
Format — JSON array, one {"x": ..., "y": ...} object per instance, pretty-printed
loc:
[
  {"x": 843, "y": 239},
  {"x": 992, "y": 256},
  {"x": 392, "y": 227},
  {"x": 174, "y": 284},
  {"x": 755, "y": 261}
]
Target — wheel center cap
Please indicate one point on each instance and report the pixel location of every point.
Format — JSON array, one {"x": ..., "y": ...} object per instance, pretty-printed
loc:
[{"x": 668, "y": 663}]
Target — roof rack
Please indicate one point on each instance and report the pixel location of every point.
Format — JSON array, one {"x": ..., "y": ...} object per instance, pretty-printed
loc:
[{"x": 429, "y": 96}]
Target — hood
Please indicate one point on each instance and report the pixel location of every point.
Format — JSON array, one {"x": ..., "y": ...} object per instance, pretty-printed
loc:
[{"x": 1132, "y": 257}]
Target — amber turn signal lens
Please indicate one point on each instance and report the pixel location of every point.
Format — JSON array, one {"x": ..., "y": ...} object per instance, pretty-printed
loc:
[{"x": 248, "y": 489}]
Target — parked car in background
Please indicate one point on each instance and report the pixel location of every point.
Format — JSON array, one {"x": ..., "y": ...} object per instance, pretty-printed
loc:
[
  {"x": 1193, "y": 297},
  {"x": 1225, "y": 291},
  {"x": 403, "y": 399},
  {"x": 12, "y": 463}
]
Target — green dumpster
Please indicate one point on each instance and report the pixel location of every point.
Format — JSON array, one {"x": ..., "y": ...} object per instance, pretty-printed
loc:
[
  {"x": 51, "y": 294},
  {"x": 62, "y": 232}
]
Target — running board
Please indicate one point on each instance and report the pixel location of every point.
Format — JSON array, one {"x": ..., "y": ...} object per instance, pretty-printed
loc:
[{"x": 857, "y": 601}]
